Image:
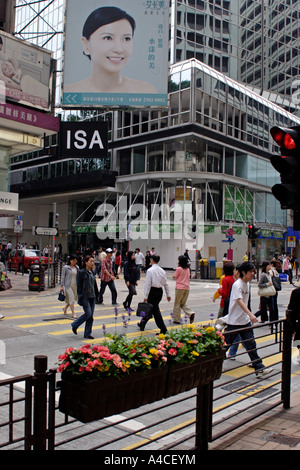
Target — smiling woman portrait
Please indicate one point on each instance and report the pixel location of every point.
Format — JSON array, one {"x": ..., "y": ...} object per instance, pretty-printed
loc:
[{"x": 107, "y": 40}]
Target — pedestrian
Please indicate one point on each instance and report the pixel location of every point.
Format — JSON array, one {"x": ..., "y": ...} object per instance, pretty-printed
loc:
[
  {"x": 107, "y": 278},
  {"x": 277, "y": 284},
  {"x": 2, "y": 273},
  {"x": 182, "y": 290},
  {"x": 225, "y": 288},
  {"x": 295, "y": 316},
  {"x": 231, "y": 353},
  {"x": 97, "y": 259},
  {"x": 287, "y": 269},
  {"x": 2, "y": 255},
  {"x": 240, "y": 317},
  {"x": 197, "y": 267},
  {"x": 102, "y": 255},
  {"x": 139, "y": 260},
  {"x": 68, "y": 284},
  {"x": 117, "y": 265},
  {"x": 156, "y": 280},
  {"x": 86, "y": 297},
  {"x": 216, "y": 294},
  {"x": 147, "y": 260},
  {"x": 130, "y": 277},
  {"x": 266, "y": 303},
  {"x": 291, "y": 267}
]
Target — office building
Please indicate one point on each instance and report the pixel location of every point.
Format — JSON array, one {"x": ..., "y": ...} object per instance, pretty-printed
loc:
[{"x": 233, "y": 69}]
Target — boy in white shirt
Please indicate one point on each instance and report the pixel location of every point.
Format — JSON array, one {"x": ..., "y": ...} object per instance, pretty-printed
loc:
[{"x": 240, "y": 317}]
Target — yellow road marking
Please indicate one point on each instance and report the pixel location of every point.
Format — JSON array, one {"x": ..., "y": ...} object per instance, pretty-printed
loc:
[{"x": 248, "y": 393}]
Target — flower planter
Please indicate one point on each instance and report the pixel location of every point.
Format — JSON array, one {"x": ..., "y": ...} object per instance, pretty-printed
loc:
[
  {"x": 184, "y": 377},
  {"x": 89, "y": 400}
]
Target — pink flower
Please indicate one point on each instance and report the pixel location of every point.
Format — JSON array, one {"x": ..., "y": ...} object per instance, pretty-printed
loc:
[{"x": 117, "y": 361}]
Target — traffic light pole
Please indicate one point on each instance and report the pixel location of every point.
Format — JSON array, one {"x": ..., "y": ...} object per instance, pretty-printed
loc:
[{"x": 53, "y": 246}]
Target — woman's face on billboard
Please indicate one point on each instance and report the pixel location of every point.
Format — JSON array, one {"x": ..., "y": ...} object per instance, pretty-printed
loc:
[{"x": 110, "y": 46}]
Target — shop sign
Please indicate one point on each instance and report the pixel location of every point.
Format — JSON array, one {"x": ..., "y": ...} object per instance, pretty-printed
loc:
[{"x": 83, "y": 139}]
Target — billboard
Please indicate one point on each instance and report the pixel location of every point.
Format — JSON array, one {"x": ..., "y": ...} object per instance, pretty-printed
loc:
[
  {"x": 25, "y": 72},
  {"x": 115, "y": 53}
]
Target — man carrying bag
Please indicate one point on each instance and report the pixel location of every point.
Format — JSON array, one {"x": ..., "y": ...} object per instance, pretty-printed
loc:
[{"x": 156, "y": 280}]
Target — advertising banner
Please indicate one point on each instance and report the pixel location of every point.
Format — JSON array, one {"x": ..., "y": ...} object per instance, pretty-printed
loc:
[
  {"x": 115, "y": 53},
  {"x": 25, "y": 72}
]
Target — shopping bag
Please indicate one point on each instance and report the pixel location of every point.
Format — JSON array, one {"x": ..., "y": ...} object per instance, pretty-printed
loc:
[{"x": 6, "y": 284}]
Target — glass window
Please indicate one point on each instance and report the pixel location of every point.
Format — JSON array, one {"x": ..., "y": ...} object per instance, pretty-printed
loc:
[
  {"x": 241, "y": 165},
  {"x": 124, "y": 161},
  {"x": 229, "y": 162},
  {"x": 139, "y": 160},
  {"x": 175, "y": 156},
  {"x": 214, "y": 158},
  {"x": 45, "y": 171}
]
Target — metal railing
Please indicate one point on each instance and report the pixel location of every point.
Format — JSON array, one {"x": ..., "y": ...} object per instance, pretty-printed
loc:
[{"x": 30, "y": 416}]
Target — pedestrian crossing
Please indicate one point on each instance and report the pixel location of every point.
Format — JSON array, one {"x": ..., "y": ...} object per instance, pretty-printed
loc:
[{"x": 45, "y": 313}]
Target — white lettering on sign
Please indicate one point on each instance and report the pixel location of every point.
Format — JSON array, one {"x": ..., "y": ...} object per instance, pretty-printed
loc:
[{"x": 81, "y": 142}]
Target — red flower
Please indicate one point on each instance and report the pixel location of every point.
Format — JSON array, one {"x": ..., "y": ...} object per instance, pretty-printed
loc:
[{"x": 172, "y": 351}]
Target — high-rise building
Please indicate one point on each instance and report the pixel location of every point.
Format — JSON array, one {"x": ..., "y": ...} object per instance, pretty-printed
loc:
[{"x": 233, "y": 68}]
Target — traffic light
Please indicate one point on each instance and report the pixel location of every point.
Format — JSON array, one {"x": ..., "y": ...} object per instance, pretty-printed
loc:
[
  {"x": 288, "y": 165},
  {"x": 253, "y": 232},
  {"x": 53, "y": 222}
]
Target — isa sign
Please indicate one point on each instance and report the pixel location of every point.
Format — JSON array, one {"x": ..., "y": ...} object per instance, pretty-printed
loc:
[
  {"x": 83, "y": 139},
  {"x": 116, "y": 53}
]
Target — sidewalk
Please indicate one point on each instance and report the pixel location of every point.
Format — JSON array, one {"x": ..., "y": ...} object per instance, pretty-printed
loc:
[
  {"x": 19, "y": 289},
  {"x": 279, "y": 429}
]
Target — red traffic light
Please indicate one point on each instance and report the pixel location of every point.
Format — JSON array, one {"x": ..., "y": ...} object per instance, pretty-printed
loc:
[
  {"x": 286, "y": 138},
  {"x": 282, "y": 138}
]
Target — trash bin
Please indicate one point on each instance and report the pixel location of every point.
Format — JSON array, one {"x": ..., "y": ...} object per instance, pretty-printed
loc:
[
  {"x": 212, "y": 268},
  {"x": 219, "y": 269},
  {"x": 204, "y": 268},
  {"x": 36, "y": 277}
]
